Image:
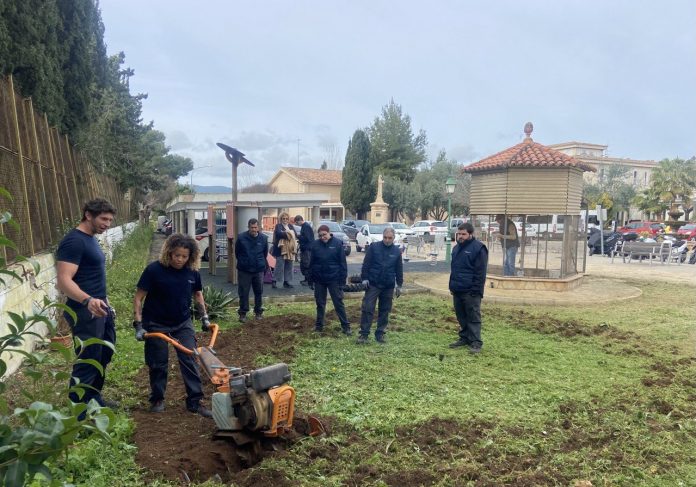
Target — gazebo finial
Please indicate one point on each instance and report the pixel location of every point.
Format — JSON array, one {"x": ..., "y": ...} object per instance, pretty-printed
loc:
[{"x": 528, "y": 129}]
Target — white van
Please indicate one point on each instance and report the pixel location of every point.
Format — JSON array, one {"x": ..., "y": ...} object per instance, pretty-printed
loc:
[{"x": 547, "y": 224}]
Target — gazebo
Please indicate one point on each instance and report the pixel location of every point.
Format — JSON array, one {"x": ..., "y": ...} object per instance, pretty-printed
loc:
[{"x": 540, "y": 189}]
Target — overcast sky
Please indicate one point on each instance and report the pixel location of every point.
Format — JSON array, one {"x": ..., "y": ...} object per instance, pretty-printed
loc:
[{"x": 260, "y": 75}]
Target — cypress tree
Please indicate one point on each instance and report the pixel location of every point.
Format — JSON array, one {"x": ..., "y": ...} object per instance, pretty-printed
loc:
[{"x": 358, "y": 189}]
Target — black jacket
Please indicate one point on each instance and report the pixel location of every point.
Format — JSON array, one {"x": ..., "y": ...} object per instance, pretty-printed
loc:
[
  {"x": 328, "y": 263},
  {"x": 469, "y": 263},
  {"x": 306, "y": 236},
  {"x": 251, "y": 252},
  {"x": 383, "y": 266}
]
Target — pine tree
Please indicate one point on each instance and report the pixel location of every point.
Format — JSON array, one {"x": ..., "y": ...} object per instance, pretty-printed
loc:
[
  {"x": 395, "y": 150},
  {"x": 358, "y": 189}
]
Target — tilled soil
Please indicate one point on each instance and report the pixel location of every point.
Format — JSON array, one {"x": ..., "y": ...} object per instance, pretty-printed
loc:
[{"x": 179, "y": 445}]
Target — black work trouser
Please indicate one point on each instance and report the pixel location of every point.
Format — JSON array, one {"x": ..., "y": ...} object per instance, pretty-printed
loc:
[
  {"x": 468, "y": 310},
  {"x": 84, "y": 328},
  {"x": 247, "y": 281},
  {"x": 336, "y": 291},
  {"x": 157, "y": 359},
  {"x": 386, "y": 298},
  {"x": 305, "y": 258}
]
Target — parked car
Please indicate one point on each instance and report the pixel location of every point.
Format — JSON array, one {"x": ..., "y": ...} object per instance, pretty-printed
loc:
[
  {"x": 687, "y": 231},
  {"x": 401, "y": 229},
  {"x": 529, "y": 229},
  {"x": 429, "y": 228},
  {"x": 372, "y": 233},
  {"x": 490, "y": 227},
  {"x": 337, "y": 232},
  {"x": 220, "y": 243},
  {"x": 454, "y": 224},
  {"x": 352, "y": 227},
  {"x": 547, "y": 224},
  {"x": 653, "y": 228}
]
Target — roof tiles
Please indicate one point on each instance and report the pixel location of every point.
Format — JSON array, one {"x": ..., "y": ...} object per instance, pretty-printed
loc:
[
  {"x": 527, "y": 154},
  {"x": 315, "y": 176}
]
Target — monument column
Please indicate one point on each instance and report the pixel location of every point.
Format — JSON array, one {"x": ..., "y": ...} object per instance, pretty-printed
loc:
[{"x": 379, "y": 209}]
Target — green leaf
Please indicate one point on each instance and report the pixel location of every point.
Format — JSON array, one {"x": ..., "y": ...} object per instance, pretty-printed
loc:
[
  {"x": 102, "y": 422},
  {"x": 19, "y": 320},
  {"x": 97, "y": 341},
  {"x": 6, "y": 242},
  {"x": 15, "y": 474},
  {"x": 66, "y": 352},
  {"x": 91, "y": 362},
  {"x": 42, "y": 470}
]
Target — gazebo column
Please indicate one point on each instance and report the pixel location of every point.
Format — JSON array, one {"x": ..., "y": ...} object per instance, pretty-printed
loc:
[{"x": 191, "y": 223}]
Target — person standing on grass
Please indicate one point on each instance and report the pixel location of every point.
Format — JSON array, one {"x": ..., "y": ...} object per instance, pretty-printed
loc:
[
  {"x": 466, "y": 283},
  {"x": 284, "y": 250},
  {"x": 81, "y": 276},
  {"x": 306, "y": 238},
  {"x": 251, "y": 250},
  {"x": 166, "y": 287},
  {"x": 328, "y": 271},
  {"x": 510, "y": 241},
  {"x": 382, "y": 270}
]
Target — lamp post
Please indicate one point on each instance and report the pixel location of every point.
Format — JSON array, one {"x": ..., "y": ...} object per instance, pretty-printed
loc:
[
  {"x": 450, "y": 185},
  {"x": 193, "y": 169}
]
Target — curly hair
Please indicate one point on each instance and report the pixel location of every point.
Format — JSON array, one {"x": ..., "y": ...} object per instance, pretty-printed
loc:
[
  {"x": 283, "y": 215},
  {"x": 179, "y": 240},
  {"x": 96, "y": 207}
]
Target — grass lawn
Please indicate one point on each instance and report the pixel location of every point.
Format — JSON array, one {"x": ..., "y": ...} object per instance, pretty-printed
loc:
[{"x": 605, "y": 394}]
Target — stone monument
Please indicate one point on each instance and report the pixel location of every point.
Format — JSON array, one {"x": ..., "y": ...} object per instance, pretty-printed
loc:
[{"x": 379, "y": 210}]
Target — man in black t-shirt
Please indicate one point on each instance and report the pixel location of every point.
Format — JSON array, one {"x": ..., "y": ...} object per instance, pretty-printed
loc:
[{"x": 81, "y": 273}]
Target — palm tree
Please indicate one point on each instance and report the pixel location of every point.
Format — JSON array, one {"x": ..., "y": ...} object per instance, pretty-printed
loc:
[
  {"x": 649, "y": 201},
  {"x": 675, "y": 182}
]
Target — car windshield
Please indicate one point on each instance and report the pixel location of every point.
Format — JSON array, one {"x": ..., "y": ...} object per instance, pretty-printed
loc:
[
  {"x": 377, "y": 228},
  {"x": 398, "y": 226},
  {"x": 688, "y": 227},
  {"x": 439, "y": 224},
  {"x": 333, "y": 226}
]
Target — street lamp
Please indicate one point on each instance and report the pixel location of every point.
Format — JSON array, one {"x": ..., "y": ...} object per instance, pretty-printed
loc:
[
  {"x": 193, "y": 169},
  {"x": 450, "y": 185}
]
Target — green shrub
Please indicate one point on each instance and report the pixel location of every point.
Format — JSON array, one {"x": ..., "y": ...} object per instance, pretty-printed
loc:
[{"x": 218, "y": 302}]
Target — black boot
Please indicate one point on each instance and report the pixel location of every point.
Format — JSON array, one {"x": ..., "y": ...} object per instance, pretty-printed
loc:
[{"x": 273, "y": 285}]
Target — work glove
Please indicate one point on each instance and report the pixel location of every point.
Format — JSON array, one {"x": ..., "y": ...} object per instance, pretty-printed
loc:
[
  {"x": 397, "y": 291},
  {"x": 205, "y": 323},
  {"x": 139, "y": 331},
  {"x": 366, "y": 284}
]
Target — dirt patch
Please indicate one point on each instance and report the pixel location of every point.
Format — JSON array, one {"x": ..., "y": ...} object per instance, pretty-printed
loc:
[
  {"x": 178, "y": 445},
  {"x": 548, "y": 324}
]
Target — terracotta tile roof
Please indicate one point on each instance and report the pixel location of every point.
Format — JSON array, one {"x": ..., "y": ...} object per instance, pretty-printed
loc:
[
  {"x": 315, "y": 176},
  {"x": 527, "y": 154}
]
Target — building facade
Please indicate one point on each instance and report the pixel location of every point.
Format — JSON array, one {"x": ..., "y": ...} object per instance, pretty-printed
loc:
[
  {"x": 638, "y": 172},
  {"x": 311, "y": 181}
]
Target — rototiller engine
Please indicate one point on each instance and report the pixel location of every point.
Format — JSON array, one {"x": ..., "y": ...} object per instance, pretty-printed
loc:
[{"x": 258, "y": 402}]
